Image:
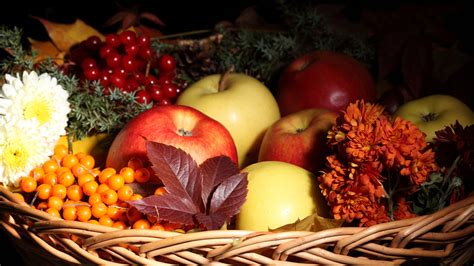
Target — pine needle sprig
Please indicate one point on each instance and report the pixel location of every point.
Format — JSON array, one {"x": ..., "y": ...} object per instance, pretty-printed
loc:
[{"x": 10, "y": 41}]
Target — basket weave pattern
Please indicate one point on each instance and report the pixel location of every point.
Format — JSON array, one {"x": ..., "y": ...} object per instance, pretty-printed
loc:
[{"x": 446, "y": 235}]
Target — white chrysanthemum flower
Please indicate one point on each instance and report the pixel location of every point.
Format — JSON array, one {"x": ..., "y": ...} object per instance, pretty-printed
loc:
[
  {"x": 20, "y": 150},
  {"x": 36, "y": 98}
]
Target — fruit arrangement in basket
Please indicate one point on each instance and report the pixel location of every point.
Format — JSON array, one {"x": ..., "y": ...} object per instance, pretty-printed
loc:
[{"x": 316, "y": 153}]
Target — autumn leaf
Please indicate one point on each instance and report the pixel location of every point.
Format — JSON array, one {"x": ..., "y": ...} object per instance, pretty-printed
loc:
[
  {"x": 313, "y": 223},
  {"x": 206, "y": 196},
  {"x": 64, "y": 36},
  {"x": 45, "y": 50}
]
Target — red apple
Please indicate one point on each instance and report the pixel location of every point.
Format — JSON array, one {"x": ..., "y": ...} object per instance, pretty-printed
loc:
[
  {"x": 180, "y": 126},
  {"x": 323, "y": 79},
  {"x": 299, "y": 138}
]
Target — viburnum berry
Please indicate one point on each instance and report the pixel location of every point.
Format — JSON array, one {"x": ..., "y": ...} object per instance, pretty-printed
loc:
[
  {"x": 92, "y": 73},
  {"x": 88, "y": 63},
  {"x": 143, "y": 97},
  {"x": 145, "y": 53},
  {"x": 114, "y": 60},
  {"x": 156, "y": 93},
  {"x": 93, "y": 43},
  {"x": 112, "y": 40},
  {"x": 129, "y": 63},
  {"x": 128, "y": 37},
  {"x": 143, "y": 40},
  {"x": 106, "y": 50},
  {"x": 167, "y": 63},
  {"x": 132, "y": 49}
]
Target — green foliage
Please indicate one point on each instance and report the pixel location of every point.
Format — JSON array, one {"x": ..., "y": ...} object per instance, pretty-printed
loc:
[
  {"x": 10, "y": 40},
  {"x": 435, "y": 192}
]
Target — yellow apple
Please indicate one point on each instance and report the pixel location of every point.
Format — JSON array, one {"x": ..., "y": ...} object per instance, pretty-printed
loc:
[
  {"x": 241, "y": 103},
  {"x": 435, "y": 112},
  {"x": 279, "y": 193}
]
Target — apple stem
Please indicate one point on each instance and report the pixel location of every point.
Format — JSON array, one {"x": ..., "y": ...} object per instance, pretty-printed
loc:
[
  {"x": 223, "y": 79},
  {"x": 429, "y": 117},
  {"x": 183, "y": 132}
]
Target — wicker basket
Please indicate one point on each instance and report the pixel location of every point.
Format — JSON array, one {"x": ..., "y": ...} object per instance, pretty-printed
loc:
[{"x": 446, "y": 235}]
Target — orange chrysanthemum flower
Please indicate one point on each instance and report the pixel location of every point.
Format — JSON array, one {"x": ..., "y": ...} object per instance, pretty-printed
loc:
[
  {"x": 367, "y": 146},
  {"x": 403, "y": 210}
]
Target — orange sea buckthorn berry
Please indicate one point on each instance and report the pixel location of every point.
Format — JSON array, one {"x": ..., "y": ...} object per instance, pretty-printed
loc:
[
  {"x": 119, "y": 225},
  {"x": 84, "y": 213},
  {"x": 95, "y": 172},
  {"x": 141, "y": 224},
  {"x": 37, "y": 173},
  {"x": 54, "y": 212},
  {"x": 84, "y": 178},
  {"x": 74, "y": 192},
  {"x": 157, "y": 226},
  {"x": 43, "y": 205},
  {"x": 50, "y": 178},
  {"x": 78, "y": 169},
  {"x": 115, "y": 182},
  {"x": 50, "y": 166},
  {"x": 136, "y": 197},
  {"x": 160, "y": 191},
  {"x": 28, "y": 184},
  {"x": 93, "y": 221},
  {"x": 61, "y": 170},
  {"x": 128, "y": 174},
  {"x": 66, "y": 179},
  {"x": 19, "y": 196},
  {"x": 44, "y": 191},
  {"x": 90, "y": 187},
  {"x": 102, "y": 188},
  {"x": 69, "y": 160},
  {"x": 142, "y": 175},
  {"x": 109, "y": 197},
  {"x": 70, "y": 213},
  {"x": 125, "y": 192},
  {"x": 94, "y": 198},
  {"x": 115, "y": 212},
  {"x": 133, "y": 215},
  {"x": 135, "y": 163},
  {"x": 99, "y": 209},
  {"x": 60, "y": 151},
  {"x": 106, "y": 220},
  {"x": 172, "y": 226},
  {"x": 55, "y": 203},
  {"x": 59, "y": 190},
  {"x": 80, "y": 155},
  {"x": 87, "y": 161},
  {"x": 152, "y": 219},
  {"x": 105, "y": 174}
]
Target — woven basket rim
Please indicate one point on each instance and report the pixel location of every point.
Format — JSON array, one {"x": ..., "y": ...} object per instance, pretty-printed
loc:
[{"x": 441, "y": 235}]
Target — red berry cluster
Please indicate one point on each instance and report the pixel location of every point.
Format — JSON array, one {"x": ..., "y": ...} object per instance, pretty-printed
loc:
[{"x": 123, "y": 61}]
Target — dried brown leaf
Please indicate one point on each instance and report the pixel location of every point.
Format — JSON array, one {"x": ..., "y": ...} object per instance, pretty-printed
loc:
[
  {"x": 313, "y": 223},
  {"x": 45, "y": 50},
  {"x": 64, "y": 36}
]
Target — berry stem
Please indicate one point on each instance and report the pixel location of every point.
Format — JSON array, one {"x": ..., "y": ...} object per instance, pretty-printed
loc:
[{"x": 147, "y": 71}]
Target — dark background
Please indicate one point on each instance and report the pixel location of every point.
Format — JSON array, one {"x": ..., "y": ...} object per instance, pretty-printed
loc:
[{"x": 182, "y": 16}]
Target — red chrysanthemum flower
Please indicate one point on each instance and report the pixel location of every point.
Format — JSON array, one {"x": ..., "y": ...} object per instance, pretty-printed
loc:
[{"x": 403, "y": 210}]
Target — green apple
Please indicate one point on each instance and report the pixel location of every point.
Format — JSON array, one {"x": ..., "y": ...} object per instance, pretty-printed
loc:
[
  {"x": 279, "y": 193},
  {"x": 241, "y": 103},
  {"x": 435, "y": 112}
]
